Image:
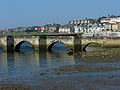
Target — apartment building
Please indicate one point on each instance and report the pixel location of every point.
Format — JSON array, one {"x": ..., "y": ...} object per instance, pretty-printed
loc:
[
  {"x": 111, "y": 20},
  {"x": 86, "y": 21}
]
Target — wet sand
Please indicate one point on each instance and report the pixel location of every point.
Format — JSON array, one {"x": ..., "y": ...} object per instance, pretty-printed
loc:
[
  {"x": 98, "y": 71},
  {"x": 74, "y": 81}
]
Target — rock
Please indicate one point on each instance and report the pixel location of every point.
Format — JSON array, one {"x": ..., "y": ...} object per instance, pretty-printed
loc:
[{"x": 111, "y": 76}]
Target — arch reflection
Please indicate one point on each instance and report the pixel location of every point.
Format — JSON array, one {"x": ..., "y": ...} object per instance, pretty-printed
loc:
[{"x": 18, "y": 62}]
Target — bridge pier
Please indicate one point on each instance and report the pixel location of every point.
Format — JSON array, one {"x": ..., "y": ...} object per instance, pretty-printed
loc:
[
  {"x": 42, "y": 43},
  {"x": 77, "y": 44},
  {"x": 10, "y": 44}
]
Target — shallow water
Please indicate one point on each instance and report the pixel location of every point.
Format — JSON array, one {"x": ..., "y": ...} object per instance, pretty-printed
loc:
[{"x": 29, "y": 60}]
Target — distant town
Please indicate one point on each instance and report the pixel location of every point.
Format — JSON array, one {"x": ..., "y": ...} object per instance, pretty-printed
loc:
[{"x": 103, "y": 26}]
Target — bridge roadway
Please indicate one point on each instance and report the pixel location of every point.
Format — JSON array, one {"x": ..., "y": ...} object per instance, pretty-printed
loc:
[{"x": 42, "y": 42}]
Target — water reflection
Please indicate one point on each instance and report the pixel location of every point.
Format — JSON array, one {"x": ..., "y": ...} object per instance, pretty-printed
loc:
[
  {"x": 1, "y": 49},
  {"x": 10, "y": 62},
  {"x": 27, "y": 47},
  {"x": 59, "y": 59},
  {"x": 26, "y": 62},
  {"x": 3, "y": 62},
  {"x": 57, "y": 46},
  {"x": 43, "y": 59}
]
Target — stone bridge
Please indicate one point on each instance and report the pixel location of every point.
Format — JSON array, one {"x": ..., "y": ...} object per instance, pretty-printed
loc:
[
  {"x": 41, "y": 42},
  {"x": 102, "y": 41},
  {"x": 45, "y": 42}
]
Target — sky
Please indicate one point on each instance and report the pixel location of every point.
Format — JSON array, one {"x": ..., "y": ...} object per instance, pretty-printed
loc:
[{"x": 23, "y": 13}]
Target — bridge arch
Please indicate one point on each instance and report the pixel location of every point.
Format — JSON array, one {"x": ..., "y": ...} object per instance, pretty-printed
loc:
[
  {"x": 85, "y": 46},
  {"x": 17, "y": 47},
  {"x": 53, "y": 43}
]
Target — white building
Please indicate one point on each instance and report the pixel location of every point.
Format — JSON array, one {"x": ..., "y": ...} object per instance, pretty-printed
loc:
[
  {"x": 111, "y": 20},
  {"x": 90, "y": 29},
  {"x": 64, "y": 30}
]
